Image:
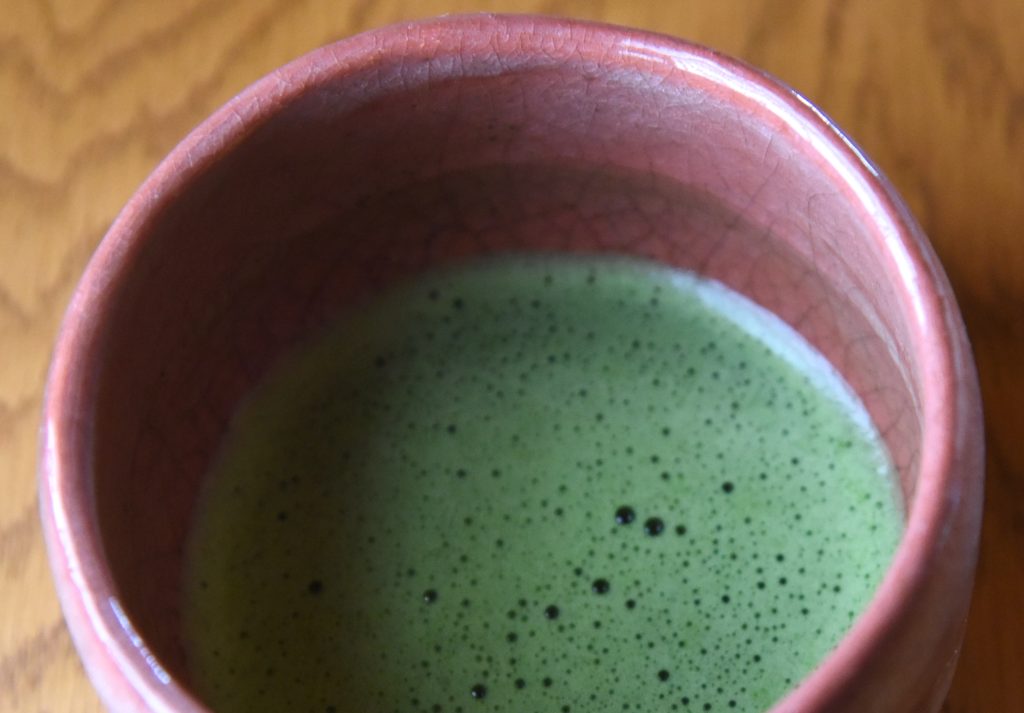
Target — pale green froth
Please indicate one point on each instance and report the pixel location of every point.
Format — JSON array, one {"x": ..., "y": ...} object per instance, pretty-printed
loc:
[{"x": 472, "y": 436}]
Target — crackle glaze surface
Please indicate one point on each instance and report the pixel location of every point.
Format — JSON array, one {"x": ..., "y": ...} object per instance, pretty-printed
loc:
[{"x": 370, "y": 160}]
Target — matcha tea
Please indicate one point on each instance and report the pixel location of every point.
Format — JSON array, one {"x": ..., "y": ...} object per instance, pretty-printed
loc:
[{"x": 538, "y": 485}]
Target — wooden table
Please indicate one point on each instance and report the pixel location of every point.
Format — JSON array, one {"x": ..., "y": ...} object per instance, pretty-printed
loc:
[{"x": 94, "y": 92}]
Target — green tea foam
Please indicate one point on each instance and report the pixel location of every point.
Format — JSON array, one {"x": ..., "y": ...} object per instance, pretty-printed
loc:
[{"x": 538, "y": 484}]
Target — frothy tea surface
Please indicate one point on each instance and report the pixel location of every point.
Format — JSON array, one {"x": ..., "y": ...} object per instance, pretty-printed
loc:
[{"x": 538, "y": 484}]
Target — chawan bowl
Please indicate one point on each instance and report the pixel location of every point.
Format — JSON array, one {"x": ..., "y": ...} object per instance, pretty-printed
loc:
[{"x": 422, "y": 144}]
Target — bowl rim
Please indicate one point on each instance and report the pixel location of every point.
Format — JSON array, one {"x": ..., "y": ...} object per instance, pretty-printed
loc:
[{"x": 116, "y": 657}]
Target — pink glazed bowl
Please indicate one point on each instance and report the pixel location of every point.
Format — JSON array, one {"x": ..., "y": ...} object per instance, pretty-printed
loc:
[{"x": 372, "y": 159}]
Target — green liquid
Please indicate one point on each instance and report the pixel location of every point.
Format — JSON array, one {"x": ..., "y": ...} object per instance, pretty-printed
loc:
[{"x": 401, "y": 508}]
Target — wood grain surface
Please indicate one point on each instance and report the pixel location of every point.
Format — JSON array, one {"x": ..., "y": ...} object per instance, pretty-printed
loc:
[{"x": 94, "y": 92}]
